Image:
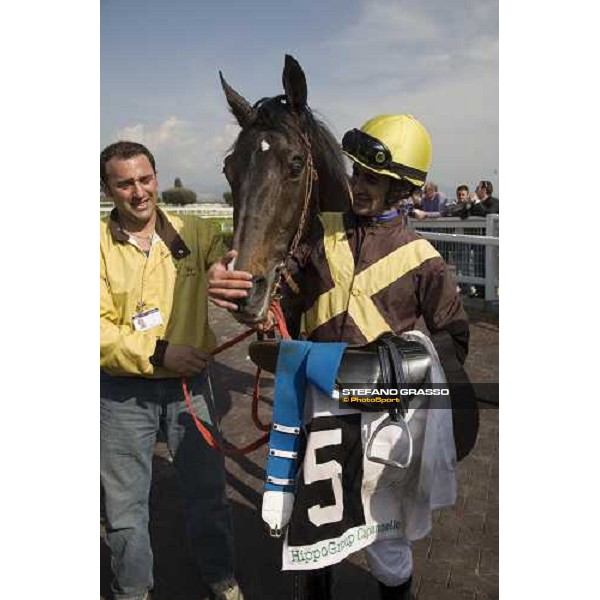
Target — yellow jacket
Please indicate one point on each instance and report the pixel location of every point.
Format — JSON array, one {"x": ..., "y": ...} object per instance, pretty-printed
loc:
[{"x": 172, "y": 278}]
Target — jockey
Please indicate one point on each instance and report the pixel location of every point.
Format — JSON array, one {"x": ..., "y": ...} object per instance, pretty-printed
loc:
[
  {"x": 391, "y": 155},
  {"x": 364, "y": 274}
]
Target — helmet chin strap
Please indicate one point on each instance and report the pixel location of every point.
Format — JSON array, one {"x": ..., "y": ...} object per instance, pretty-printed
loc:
[
  {"x": 380, "y": 219},
  {"x": 390, "y": 211},
  {"x": 386, "y": 215}
]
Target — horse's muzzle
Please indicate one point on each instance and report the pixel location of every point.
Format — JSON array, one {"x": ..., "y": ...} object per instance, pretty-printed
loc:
[{"x": 253, "y": 308}]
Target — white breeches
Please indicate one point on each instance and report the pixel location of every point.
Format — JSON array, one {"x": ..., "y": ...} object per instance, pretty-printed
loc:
[{"x": 390, "y": 561}]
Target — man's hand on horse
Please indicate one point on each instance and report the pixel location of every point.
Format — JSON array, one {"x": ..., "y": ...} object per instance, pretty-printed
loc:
[{"x": 225, "y": 285}]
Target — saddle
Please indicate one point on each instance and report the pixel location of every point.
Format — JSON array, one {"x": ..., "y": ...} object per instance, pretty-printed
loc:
[
  {"x": 388, "y": 360},
  {"x": 393, "y": 360}
]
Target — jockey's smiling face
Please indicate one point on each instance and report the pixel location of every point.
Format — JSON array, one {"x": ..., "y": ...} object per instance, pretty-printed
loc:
[{"x": 369, "y": 191}]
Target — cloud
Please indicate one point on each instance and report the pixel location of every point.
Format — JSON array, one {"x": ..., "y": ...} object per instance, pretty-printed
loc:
[
  {"x": 171, "y": 133},
  {"x": 172, "y": 140},
  {"x": 436, "y": 60},
  {"x": 382, "y": 23},
  {"x": 406, "y": 43},
  {"x": 220, "y": 143},
  {"x": 192, "y": 152}
]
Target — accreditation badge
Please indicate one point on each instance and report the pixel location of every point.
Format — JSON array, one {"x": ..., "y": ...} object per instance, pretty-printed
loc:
[{"x": 148, "y": 319}]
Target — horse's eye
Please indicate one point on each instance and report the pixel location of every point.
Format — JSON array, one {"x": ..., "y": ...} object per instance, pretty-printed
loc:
[{"x": 296, "y": 167}]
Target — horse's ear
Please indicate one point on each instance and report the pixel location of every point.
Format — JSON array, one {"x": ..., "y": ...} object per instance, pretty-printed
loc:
[
  {"x": 294, "y": 84},
  {"x": 240, "y": 107}
]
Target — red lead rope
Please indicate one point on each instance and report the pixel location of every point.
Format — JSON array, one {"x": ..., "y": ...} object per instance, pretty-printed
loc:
[{"x": 226, "y": 448}]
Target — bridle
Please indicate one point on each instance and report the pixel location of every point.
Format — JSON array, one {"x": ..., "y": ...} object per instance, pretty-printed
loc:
[{"x": 311, "y": 177}]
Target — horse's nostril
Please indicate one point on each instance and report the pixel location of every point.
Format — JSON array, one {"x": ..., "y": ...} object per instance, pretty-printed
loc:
[
  {"x": 257, "y": 282},
  {"x": 241, "y": 302},
  {"x": 250, "y": 307}
]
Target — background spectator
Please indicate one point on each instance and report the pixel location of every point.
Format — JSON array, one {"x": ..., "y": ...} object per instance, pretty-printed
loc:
[
  {"x": 412, "y": 202},
  {"x": 433, "y": 203},
  {"x": 416, "y": 195},
  {"x": 485, "y": 204},
  {"x": 462, "y": 205},
  {"x": 461, "y": 208},
  {"x": 462, "y": 194}
]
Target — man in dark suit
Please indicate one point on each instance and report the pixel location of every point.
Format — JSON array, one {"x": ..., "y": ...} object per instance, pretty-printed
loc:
[{"x": 486, "y": 204}]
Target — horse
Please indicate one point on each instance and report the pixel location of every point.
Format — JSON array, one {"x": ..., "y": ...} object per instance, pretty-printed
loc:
[{"x": 284, "y": 166}]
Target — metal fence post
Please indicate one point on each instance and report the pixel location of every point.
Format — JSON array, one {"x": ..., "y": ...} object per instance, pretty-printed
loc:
[{"x": 491, "y": 267}]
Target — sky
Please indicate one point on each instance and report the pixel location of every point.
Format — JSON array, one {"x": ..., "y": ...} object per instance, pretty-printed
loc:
[{"x": 434, "y": 59}]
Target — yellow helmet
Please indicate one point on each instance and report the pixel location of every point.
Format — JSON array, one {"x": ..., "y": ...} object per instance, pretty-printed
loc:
[{"x": 394, "y": 145}]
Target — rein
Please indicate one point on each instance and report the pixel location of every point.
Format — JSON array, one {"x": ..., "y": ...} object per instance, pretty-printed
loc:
[{"x": 226, "y": 448}]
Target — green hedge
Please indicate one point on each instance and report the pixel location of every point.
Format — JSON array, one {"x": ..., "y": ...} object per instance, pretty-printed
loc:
[{"x": 179, "y": 196}]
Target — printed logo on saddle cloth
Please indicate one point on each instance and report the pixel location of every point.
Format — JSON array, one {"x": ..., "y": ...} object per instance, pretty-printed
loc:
[{"x": 345, "y": 502}]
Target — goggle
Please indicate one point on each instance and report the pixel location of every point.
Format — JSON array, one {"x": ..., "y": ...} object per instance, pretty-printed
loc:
[
  {"x": 375, "y": 154},
  {"x": 367, "y": 149}
]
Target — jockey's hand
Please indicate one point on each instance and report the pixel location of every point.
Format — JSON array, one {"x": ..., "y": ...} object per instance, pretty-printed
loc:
[
  {"x": 224, "y": 285},
  {"x": 268, "y": 323},
  {"x": 420, "y": 214}
]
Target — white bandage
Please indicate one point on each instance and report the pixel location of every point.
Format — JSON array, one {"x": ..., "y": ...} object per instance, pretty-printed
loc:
[{"x": 277, "y": 509}]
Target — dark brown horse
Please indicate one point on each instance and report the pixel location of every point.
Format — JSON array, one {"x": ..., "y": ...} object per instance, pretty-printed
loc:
[{"x": 284, "y": 166}]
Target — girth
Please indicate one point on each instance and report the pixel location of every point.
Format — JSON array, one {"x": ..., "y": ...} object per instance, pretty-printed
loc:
[{"x": 373, "y": 364}]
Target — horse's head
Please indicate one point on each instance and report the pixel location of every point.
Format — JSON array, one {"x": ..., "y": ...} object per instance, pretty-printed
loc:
[{"x": 271, "y": 171}]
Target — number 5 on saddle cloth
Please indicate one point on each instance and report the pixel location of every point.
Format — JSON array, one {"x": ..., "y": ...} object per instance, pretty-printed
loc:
[{"x": 389, "y": 362}]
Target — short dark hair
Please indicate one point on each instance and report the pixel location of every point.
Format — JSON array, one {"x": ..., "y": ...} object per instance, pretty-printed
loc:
[
  {"x": 462, "y": 188},
  {"x": 489, "y": 188},
  {"x": 123, "y": 151}
]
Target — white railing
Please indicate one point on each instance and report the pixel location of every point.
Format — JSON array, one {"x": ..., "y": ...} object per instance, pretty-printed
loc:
[
  {"x": 204, "y": 211},
  {"x": 470, "y": 246},
  {"x": 200, "y": 210}
]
